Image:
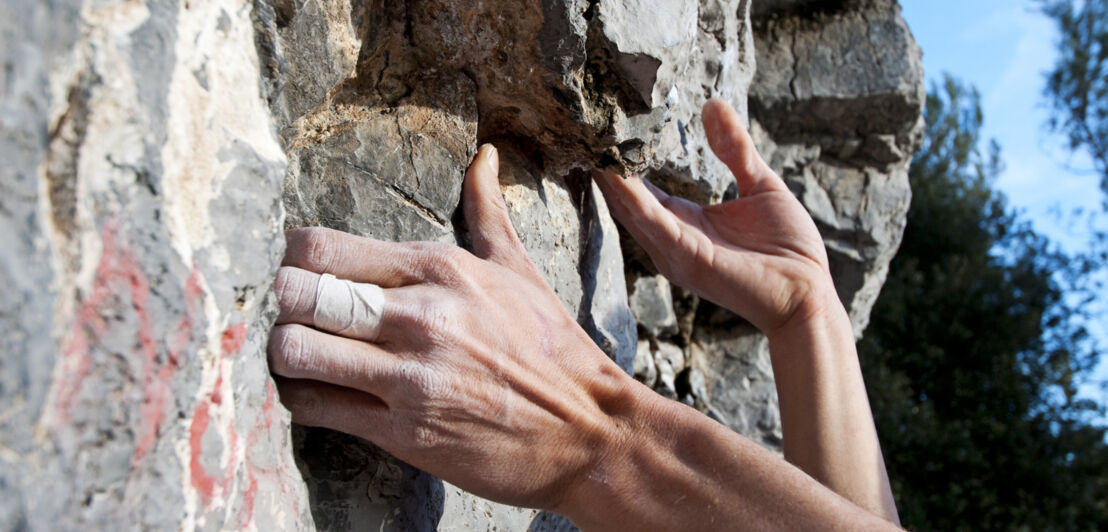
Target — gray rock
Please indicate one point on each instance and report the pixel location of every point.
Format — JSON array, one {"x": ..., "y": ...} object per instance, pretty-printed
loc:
[
  {"x": 670, "y": 361},
  {"x": 645, "y": 370},
  {"x": 136, "y": 303},
  {"x": 733, "y": 359},
  {"x": 34, "y": 40},
  {"x": 652, "y": 304},
  {"x": 670, "y": 355},
  {"x": 609, "y": 321}
]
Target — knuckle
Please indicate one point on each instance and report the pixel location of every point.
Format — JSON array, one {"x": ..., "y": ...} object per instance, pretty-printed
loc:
[
  {"x": 427, "y": 394},
  {"x": 319, "y": 248},
  {"x": 451, "y": 258},
  {"x": 445, "y": 263},
  {"x": 283, "y": 283},
  {"x": 290, "y": 287},
  {"x": 291, "y": 355},
  {"x": 421, "y": 246},
  {"x": 433, "y": 318},
  {"x": 425, "y": 382}
]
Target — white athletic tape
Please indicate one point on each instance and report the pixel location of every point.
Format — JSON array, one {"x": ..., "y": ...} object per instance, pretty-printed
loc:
[{"x": 348, "y": 308}]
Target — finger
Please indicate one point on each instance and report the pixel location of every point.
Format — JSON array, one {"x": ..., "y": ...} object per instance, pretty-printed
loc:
[
  {"x": 347, "y": 256},
  {"x": 300, "y": 352},
  {"x": 486, "y": 215},
  {"x": 346, "y": 308},
  {"x": 732, "y": 144},
  {"x": 319, "y": 404},
  {"x": 686, "y": 211},
  {"x": 649, "y": 222}
]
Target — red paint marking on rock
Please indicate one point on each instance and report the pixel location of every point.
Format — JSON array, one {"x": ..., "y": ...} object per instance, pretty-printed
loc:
[
  {"x": 217, "y": 393},
  {"x": 248, "y": 497},
  {"x": 233, "y": 338},
  {"x": 156, "y": 380},
  {"x": 194, "y": 296},
  {"x": 201, "y": 480},
  {"x": 270, "y": 403},
  {"x": 76, "y": 356},
  {"x": 206, "y": 483}
]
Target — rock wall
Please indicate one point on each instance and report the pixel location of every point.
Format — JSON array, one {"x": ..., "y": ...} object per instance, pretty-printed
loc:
[
  {"x": 156, "y": 149},
  {"x": 142, "y": 221}
]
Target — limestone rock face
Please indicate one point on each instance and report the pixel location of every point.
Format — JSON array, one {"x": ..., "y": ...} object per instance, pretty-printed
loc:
[
  {"x": 156, "y": 150},
  {"x": 142, "y": 220}
]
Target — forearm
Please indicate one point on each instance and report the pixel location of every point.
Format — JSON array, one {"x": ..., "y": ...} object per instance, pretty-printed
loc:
[
  {"x": 825, "y": 414},
  {"x": 679, "y": 470}
]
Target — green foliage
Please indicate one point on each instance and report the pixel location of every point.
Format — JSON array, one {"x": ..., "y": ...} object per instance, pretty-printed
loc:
[
  {"x": 974, "y": 352},
  {"x": 1077, "y": 87}
]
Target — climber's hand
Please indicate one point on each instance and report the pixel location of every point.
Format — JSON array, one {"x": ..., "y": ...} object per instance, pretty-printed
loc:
[
  {"x": 478, "y": 375},
  {"x": 759, "y": 256}
]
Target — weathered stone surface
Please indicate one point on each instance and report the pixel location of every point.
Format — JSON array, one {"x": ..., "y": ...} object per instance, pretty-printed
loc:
[
  {"x": 31, "y": 45},
  {"x": 644, "y": 369},
  {"x": 155, "y": 150},
  {"x": 652, "y": 305},
  {"x": 144, "y": 216},
  {"x": 733, "y": 359}
]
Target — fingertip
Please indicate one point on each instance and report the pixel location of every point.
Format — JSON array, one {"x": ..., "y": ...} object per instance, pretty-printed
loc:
[
  {"x": 603, "y": 179},
  {"x": 610, "y": 181},
  {"x": 487, "y": 158},
  {"x": 480, "y": 178},
  {"x": 295, "y": 291},
  {"x": 486, "y": 212},
  {"x": 722, "y": 125},
  {"x": 731, "y": 143},
  {"x": 711, "y": 115},
  {"x": 492, "y": 157}
]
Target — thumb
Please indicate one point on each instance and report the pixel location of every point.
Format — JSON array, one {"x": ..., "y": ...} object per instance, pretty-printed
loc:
[
  {"x": 490, "y": 228},
  {"x": 730, "y": 142}
]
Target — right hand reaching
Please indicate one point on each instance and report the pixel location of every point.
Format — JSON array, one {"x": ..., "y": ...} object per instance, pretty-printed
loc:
[{"x": 760, "y": 255}]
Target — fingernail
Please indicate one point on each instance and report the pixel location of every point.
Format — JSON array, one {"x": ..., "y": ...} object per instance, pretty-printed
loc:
[{"x": 491, "y": 157}]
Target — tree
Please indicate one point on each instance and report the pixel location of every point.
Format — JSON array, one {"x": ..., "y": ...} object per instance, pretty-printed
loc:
[
  {"x": 974, "y": 350},
  {"x": 1077, "y": 87}
]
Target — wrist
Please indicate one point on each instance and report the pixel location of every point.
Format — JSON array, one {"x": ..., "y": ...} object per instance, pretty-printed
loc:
[
  {"x": 604, "y": 493},
  {"x": 820, "y": 312}
]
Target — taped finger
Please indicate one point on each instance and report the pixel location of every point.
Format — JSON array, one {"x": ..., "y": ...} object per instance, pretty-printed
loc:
[{"x": 348, "y": 308}]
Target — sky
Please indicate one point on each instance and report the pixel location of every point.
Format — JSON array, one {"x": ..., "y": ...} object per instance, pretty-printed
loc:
[{"x": 1005, "y": 48}]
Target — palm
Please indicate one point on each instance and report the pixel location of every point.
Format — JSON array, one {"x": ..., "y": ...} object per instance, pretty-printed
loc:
[
  {"x": 757, "y": 255},
  {"x": 764, "y": 244}
]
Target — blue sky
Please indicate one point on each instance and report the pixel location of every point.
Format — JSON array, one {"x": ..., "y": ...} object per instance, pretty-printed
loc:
[{"x": 1004, "y": 48}]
